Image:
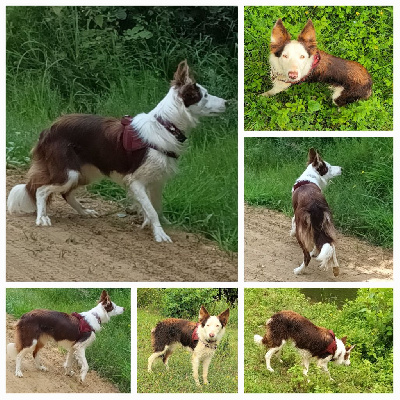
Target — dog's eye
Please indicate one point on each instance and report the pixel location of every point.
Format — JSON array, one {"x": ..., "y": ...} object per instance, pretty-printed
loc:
[
  {"x": 284, "y": 56},
  {"x": 302, "y": 57}
]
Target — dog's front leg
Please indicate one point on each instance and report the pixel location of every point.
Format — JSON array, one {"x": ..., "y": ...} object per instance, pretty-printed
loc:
[
  {"x": 279, "y": 86},
  {"x": 206, "y": 364},
  {"x": 323, "y": 364},
  {"x": 195, "y": 367},
  {"x": 139, "y": 191}
]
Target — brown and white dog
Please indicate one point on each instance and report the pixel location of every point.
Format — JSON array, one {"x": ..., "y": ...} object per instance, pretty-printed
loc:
[
  {"x": 312, "y": 341},
  {"x": 139, "y": 153},
  {"x": 296, "y": 61},
  {"x": 201, "y": 338},
  {"x": 312, "y": 222},
  {"x": 75, "y": 332}
]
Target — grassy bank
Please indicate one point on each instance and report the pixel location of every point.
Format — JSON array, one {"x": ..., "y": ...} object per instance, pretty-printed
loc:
[
  {"x": 153, "y": 305},
  {"x": 361, "y": 199},
  {"x": 363, "y": 34},
  {"x": 367, "y": 321},
  {"x": 111, "y": 362},
  {"x": 119, "y": 60}
]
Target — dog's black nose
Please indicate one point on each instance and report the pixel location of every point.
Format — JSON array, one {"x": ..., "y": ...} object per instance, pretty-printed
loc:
[{"x": 227, "y": 103}]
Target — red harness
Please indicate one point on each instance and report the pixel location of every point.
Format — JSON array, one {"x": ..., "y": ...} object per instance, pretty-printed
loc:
[
  {"x": 332, "y": 347},
  {"x": 195, "y": 336},
  {"x": 84, "y": 327},
  {"x": 132, "y": 141},
  {"x": 316, "y": 60},
  {"x": 302, "y": 183}
]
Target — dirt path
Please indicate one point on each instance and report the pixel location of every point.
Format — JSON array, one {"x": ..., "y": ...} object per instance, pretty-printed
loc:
[
  {"x": 54, "y": 380},
  {"x": 270, "y": 254},
  {"x": 107, "y": 248}
]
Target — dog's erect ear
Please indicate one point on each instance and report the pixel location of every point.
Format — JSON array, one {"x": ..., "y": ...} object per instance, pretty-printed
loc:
[
  {"x": 203, "y": 314},
  {"x": 223, "y": 317},
  {"x": 182, "y": 75},
  {"x": 312, "y": 155},
  {"x": 350, "y": 348},
  {"x": 308, "y": 37},
  {"x": 103, "y": 296},
  {"x": 344, "y": 339},
  {"x": 280, "y": 36}
]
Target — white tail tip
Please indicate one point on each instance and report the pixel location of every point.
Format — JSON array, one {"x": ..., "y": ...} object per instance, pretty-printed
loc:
[
  {"x": 258, "y": 339},
  {"x": 19, "y": 201},
  {"x": 12, "y": 351}
]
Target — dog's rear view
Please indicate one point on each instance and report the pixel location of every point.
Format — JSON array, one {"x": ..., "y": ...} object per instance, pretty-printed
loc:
[{"x": 312, "y": 222}]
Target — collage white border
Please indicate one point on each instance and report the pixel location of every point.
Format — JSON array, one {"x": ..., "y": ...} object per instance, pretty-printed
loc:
[{"x": 241, "y": 284}]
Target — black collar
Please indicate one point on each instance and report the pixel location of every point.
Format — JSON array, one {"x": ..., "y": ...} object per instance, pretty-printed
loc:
[{"x": 171, "y": 128}]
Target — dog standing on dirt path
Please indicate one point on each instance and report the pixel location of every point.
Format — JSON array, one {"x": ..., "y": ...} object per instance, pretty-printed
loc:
[
  {"x": 312, "y": 222},
  {"x": 296, "y": 61},
  {"x": 202, "y": 338},
  {"x": 75, "y": 332},
  {"x": 312, "y": 341},
  {"x": 139, "y": 153}
]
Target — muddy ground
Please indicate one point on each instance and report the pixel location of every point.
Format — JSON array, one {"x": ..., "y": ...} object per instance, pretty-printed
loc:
[
  {"x": 108, "y": 248},
  {"x": 54, "y": 380},
  {"x": 270, "y": 254}
]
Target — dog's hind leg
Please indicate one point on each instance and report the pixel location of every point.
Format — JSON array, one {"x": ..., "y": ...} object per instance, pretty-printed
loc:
[
  {"x": 43, "y": 193},
  {"x": 21, "y": 355},
  {"x": 155, "y": 355},
  {"x": 335, "y": 262},
  {"x": 68, "y": 362},
  {"x": 306, "y": 260},
  {"x": 74, "y": 203},
  {"x": 36, "y": 357},
  {"x": 141, "y": 196}
]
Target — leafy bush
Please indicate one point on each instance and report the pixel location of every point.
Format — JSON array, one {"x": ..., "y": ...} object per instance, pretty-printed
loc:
[{"x": 363, "y": 34}]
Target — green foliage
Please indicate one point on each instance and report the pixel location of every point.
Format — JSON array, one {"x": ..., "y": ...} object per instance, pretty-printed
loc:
[
  {"x": 361, "y": 199},
  {"x": 366, "y": 374},
  {"x": 223, "y": 371},
  {"x": 119, "y": 60},
  {"x": 363, "y": 34},
  {"x": 110, "y": 354}
]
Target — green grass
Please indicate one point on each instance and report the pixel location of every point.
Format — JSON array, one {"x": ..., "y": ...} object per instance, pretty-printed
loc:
[
  {"x": 368, "y": 373},
  {"x": 222, "y": 373},
  {"x": 361, "y": 199},
  {"x": 363, "y": 34},
  {"x": 110, "y": 354}
]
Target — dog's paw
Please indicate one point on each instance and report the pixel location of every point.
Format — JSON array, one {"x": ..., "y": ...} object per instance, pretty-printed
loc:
[
  {"x": 69, "y": 372},
  {"x": 43, "y": 368},
  {"x": 19, "y": 374},
  {"x": 298, "y": 270},
  {"x": 270, "y": 369},
  {"x": 90, "y": 213},
  {"x": 336, "y": 271},
  {"x": 161, "y": 236},
  {"x": 267, "y": 94},
  {"x": 43, "y": 221}
]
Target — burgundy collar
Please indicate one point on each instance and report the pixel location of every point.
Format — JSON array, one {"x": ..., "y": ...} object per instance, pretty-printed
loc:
[
  {"x": 332, "y": 347},
  {"x": 316, "y": 60},
  {"x": 171, "y": 128},
  {"x": 302, "y": 183},
  {"x": 132, "y": 141},
  {"x": 97, "y": 317},
  {"x": 83, "y": 324}
]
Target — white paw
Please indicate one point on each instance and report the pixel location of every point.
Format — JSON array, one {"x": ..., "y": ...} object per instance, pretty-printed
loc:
[
  {"x": 270, "y": 369},
  {"x": 43, "y": 221},
  {"x": 90, "y": 213},
  {"x": 205, "y": 382},
  {"x": 198, "y": 383},
  {"x": 161, "y": 236},
  {"x": 69, "y": 372},
  {"x": 19, "y": 374},
  {"x": 43, "y": 368},
  {"x": 298, "y": 270},
  {"x": 266, "y": 94},
  {"x": 281, "y": 361},
  {"x": 323, "y": 267},
  {"x": 149, "y": 370}
]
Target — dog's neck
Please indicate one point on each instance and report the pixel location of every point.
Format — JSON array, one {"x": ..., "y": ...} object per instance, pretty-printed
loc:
[
  {"x": 313, "y": 177},
  {"x": 96, "y": 317},
  {"x": 171, "y": 108}
]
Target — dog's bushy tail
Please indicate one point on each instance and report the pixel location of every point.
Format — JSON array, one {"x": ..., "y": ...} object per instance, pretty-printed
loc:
[
  {"x": 20, "y": 201},
  {"x": 305, "y": 230},
  {"x": 258, "y": 339},
  {"x": 12, "y": 351}
]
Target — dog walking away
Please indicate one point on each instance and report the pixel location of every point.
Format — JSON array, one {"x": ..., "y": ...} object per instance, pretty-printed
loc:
[
  {"x": 201, "y": 338},
  {"x": 312, "y": 341},
  {"x": 312, "y": 222},
  {"x": 296, "y": 61},
  {"x": 75, "y": 332},
  {"x": 140, "y": 153}
]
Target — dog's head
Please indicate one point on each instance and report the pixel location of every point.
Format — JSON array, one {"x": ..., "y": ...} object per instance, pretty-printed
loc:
[
  {"x": 293, "y": 58},
  {"x": 109, "y": 306},
  {"x": 342, "y": 354},
  {"x": 212, "y": 327},
  {"x": 323, "y": 168},
  {"x": 194, "y": 96}
]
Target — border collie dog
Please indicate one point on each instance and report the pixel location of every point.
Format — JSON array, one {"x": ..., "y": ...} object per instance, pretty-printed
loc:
[
  {"x": 139, "y": 153},
  {"x": 201, "y": 338},
  {"x": 312, "y": 222},
  {"x": 75, "y": 332},
  {"x": 296, "y": 61},
  {"x": 309, "y": 339}
]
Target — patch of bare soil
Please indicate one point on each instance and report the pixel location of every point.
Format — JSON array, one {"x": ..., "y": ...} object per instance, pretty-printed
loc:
[
  {"x": 270, "y": 254},
  {"x": 54, "y": 380},
  {"x": 107, "y": 248}
]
